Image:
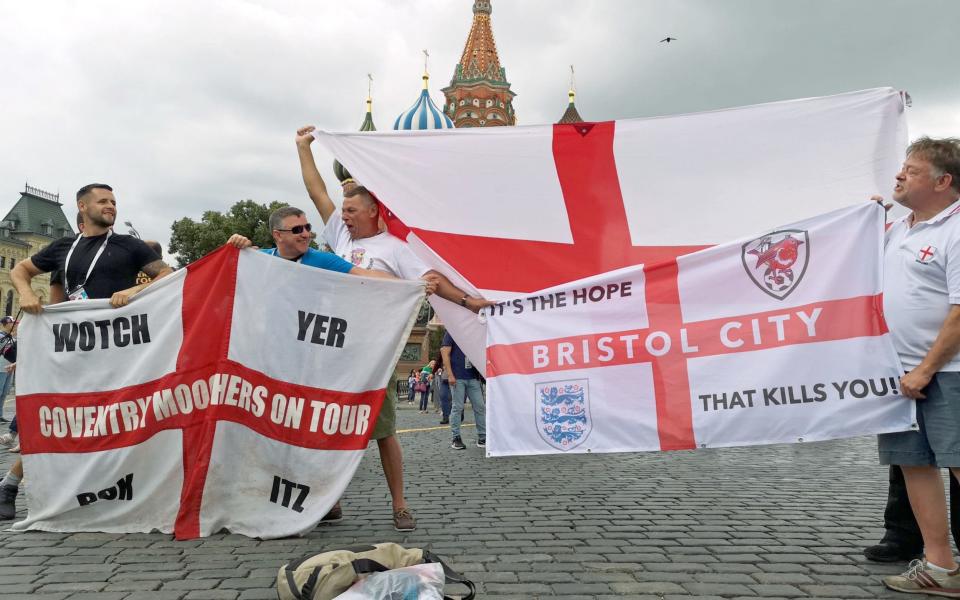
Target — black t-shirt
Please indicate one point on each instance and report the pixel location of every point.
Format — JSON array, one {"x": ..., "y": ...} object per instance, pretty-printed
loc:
[{"x": 116, "y": 270}]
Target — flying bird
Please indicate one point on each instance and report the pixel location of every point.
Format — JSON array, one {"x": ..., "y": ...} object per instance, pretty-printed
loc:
[{"x": 668, "y": 40}]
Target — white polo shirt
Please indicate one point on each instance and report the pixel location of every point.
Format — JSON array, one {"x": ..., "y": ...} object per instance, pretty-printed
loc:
[
  {"x": 921, "y": 280},
  {"x": 382, "y": 252}
]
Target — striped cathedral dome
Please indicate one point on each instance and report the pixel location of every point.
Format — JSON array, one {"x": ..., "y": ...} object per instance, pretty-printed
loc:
[{"x": 424, "y": 114}]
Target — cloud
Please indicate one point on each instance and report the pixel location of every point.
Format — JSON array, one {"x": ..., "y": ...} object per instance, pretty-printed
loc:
[{"x": 192, "y": 106}]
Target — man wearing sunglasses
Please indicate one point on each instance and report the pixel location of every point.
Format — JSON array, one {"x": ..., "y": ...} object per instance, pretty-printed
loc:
[{"x": 292, "y": 234}]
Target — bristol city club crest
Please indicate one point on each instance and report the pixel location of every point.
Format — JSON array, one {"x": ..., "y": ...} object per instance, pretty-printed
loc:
[
  {"x": 563, "y": 412},
  {"x": 777, "y": 261}
]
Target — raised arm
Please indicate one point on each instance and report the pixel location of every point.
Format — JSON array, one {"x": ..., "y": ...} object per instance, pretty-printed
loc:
[{"x": 316, "y": 188}]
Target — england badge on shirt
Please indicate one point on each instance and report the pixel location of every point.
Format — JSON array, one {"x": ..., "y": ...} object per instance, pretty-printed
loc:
[{"x": 926, "y": 254}]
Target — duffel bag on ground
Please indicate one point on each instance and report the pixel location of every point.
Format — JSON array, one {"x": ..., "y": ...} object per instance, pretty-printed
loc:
[{"x": 326, "y": 575}]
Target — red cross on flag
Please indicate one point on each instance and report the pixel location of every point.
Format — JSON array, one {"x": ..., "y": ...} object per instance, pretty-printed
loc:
[
  {"x": 777, "y": 338},
  {"x": 229, "y": 395},
  {"x": 510, "y": 210}
]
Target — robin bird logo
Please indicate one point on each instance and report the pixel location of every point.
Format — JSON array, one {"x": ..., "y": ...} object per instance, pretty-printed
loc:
[{"x": 777, "y": 256}]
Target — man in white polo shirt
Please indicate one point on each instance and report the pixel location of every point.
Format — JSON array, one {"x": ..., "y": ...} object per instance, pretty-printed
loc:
[
  {"x": 921, "y": 300},
  {"x": 354, "y": 233}
]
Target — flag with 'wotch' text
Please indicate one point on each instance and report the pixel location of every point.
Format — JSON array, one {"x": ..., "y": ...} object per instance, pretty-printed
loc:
[{"x": 238, "y": 393}]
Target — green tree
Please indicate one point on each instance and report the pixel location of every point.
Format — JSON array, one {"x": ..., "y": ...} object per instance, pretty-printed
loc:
[{"x": 191, "y": 240}]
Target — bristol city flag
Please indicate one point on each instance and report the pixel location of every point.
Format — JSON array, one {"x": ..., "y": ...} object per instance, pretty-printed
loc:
[
  {"x": 507, "y": 210},
  {"x": 238, "y": 393},
  {"x": 778, "y": 337}
]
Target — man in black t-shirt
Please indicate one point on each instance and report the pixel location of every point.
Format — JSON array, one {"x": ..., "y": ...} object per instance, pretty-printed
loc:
[{"x": 96, "y": 264}]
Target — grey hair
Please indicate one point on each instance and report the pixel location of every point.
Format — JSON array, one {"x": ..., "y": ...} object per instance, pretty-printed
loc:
[
  {"x": 276, "y": 219},
  {"x": 943, "y": 155}
]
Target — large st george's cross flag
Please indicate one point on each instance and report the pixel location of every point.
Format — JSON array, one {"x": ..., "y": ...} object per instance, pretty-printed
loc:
[
  {"x": 238, "y": 393},
  {"x": 519, "y": 209}
]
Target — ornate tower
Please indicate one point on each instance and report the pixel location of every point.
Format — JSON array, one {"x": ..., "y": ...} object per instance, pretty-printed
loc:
[{"x": 479, "y": 94}]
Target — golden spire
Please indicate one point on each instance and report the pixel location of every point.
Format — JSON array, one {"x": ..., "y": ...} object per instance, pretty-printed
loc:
[
  {"x": 571, "y": 115},
  {"x": 369, "y": 92},
  {"x": 426, "y": 72}
]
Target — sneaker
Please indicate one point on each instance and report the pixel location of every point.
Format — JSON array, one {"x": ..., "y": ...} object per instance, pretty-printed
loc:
[
  {"x": 15, "y": 449},
  {"x": 8, "y": 439},
  {"x": 403, "y": 520},
  {"x": 334, "y": 515},
  {"x": 482, "y": 442},
  {"x": 8, "y": 502},
  {"x": 457, "y": 444},
  {"x": 445, "y": 421},
  {"x": 920, "y": 579},
  {"x": 887, "y": 551}
]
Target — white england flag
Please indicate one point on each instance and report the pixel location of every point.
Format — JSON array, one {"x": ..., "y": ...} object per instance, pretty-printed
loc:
[
  {"x": 506, "y": 210},
  {"x": 238, "y": 393},
  {"x": 778, "y": 337}
]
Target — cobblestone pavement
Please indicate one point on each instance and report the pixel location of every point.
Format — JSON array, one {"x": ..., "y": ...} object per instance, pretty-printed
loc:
[{"x": 771, "y": 522}]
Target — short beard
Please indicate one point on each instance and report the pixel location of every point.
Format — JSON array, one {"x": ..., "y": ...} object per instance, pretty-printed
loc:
[{"x": 98, "y": 221}]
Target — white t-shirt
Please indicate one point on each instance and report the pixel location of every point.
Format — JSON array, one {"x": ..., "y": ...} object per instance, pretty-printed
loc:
[
  {"x": 921, "y": 280},
  {"x": 382, "y": 252}
]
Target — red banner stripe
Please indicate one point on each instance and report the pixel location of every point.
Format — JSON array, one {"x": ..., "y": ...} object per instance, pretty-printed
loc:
[
  {"x": 531, "y": 265},
  {"x": 587, "y": 174},
  {"x": 848, "y": 318},
  {"x": 208, "y": 295},
  {"x": 38, "y": 412},
  {"x": 670, "y": 380}
]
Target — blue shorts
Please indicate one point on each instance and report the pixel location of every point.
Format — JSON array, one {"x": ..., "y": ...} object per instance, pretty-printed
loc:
[{"x": 937, "y": 440}]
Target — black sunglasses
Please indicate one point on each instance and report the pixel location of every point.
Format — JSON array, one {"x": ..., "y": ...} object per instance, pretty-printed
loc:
[{"x": 298, "y": 229}]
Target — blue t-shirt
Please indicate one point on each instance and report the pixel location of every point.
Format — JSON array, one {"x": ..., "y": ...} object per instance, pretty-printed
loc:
[
  {"x": 316, "y": 258},
  {"x": 459, "y": 363}
]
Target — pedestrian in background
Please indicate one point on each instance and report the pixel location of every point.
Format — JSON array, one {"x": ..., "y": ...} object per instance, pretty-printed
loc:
[{"x": 412, "y": 385}]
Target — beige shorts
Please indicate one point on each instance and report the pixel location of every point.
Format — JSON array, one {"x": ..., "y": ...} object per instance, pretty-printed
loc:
[{"x": 386, "y": 424}]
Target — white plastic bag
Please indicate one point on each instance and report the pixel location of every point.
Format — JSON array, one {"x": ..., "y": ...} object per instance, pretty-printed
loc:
[{"x": 419, "y": 582}]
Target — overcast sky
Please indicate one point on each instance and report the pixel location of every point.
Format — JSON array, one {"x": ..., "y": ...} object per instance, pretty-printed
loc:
[{"x": 192, "y": 106}]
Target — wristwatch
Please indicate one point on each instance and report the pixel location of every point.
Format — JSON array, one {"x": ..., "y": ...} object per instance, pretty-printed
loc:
[{"x": 463, "y": 301}]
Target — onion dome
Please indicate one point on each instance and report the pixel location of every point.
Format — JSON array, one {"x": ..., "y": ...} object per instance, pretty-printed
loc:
[
  {"x": 571, "y": 115},
  {"x": 339, "y": 170},
  {"x": 424, "y": 114}
]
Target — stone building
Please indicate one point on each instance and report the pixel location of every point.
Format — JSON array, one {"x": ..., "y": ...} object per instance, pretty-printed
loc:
[{"x": 35, "y": 220}]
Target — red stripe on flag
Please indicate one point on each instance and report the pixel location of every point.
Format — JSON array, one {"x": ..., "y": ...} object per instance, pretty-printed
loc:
[
  {"x": 587, "y": 173},
  {"x": 528, "y": 266},
  {"x": 208, "y": 295},
  {"x": 845, "y": 319},
  {"x": 93, "y": 421},
  {"x": 670, "y": 379},
  {"x": 395, "y": 226}
]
